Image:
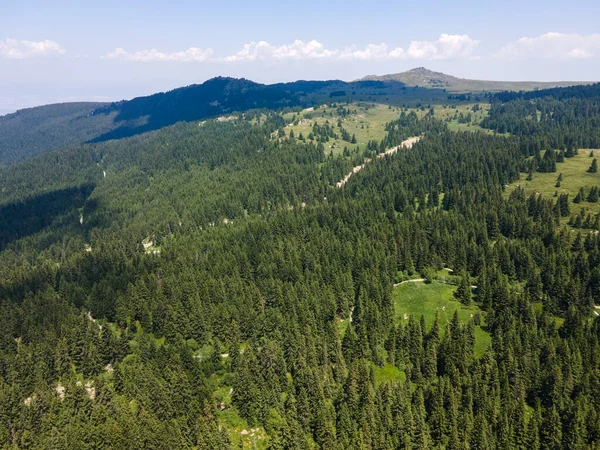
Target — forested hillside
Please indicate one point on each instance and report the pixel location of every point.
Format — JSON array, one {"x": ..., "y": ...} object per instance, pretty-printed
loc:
[
  {"x": 33, "y": 131},
  {"x": 210, "y": 286},
  {"x": 30, "y": 132}
]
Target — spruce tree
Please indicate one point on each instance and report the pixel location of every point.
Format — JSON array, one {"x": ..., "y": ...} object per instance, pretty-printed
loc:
[{"x": 463, "y": 292}]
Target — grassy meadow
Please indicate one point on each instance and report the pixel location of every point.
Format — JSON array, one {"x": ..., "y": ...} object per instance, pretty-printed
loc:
[
  {"x": 367, "y": 121},
  {"x": 575, "y": 176},
  {"x": 422, "y": 299}
]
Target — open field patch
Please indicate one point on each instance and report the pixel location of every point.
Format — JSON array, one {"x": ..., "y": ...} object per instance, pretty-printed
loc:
[
  {"x": 340, "y": 125},
  {"x": 421, "y": 299},
  {"x": 575, "y": 176}
]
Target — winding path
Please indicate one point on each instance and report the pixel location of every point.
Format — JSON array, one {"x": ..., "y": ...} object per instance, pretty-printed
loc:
[
  {"x": 416, "y": 280},
  {"x": 408, "y": 143}
]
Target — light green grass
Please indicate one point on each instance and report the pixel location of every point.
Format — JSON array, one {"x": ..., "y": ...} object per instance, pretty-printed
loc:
[
  {"x": 421, "y": 299},
  {"x": 388, "y": 373},
  {"x": 558, "y": 321},
  {"x": 575, "y": 176},
  {"x": 368, "y": 120},
  {"x": 367, "y": 123},
  {"x": 342, "y": 326},
  {"x": 450, "y": 114},
  {"x": 231, "y": 420}
]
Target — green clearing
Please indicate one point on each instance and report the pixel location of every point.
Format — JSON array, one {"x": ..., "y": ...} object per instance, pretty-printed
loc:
[
  {"x": 421, "y": 299},
  {"x": 366, "y": 121},
  {"x": 388, "y": 373},
  {"x": 537, "y": 307},
  {"x": 575, "y": 177},
  {"x": 231, "y": 420},
  {"x": 456, "y": 115},
  {"x": 342, "y": 327}
]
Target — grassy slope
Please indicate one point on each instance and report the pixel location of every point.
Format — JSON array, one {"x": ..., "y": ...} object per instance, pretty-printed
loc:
[
  {"x": 575, "y": 176},
  {"x": 449, "y": 113},
  {"x": 368, "y": 123},
  {"x": 421, "y": 299}
]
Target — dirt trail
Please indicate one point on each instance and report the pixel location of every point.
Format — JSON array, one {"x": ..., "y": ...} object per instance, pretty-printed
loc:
[
  {"x": 405, "y": 144},
  {"x": 416, "y": 280}
]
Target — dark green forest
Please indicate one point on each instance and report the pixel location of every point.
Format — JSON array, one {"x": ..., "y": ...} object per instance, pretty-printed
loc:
[
  {"x": 33, "y": 131},
  {"x": 169, "y": 289}
]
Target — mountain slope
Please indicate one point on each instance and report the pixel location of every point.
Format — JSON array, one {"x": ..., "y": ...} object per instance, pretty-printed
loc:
[
  {"x": 216, "y": 96},
  {"x": 31, "y": 131},
  {"x": 202, "y": 287},
  {"x": 420, "y": 76}
]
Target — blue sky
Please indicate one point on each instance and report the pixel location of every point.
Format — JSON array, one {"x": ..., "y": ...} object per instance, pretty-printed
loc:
[{"x": 52, "y": 51}]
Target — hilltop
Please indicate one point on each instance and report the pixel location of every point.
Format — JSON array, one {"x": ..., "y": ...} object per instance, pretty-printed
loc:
[{"x": 420, "y": 76}]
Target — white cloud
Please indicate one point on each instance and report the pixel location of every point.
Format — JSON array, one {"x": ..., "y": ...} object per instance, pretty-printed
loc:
[
  {"x": 296, "y": 50},
  {"x": 553, "y": 46},
  {"x": 14, "y": 49},
  {"x": 448, "y": 46},
  {"x": 372, "y": 52},
  {"x": 191, "y": 54}
]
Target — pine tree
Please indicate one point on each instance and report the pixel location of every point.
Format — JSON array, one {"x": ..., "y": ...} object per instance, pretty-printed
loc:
[
  {"x": 246, "y": 395},
  {"x": 552, "y": 430},
  {"x": 463, "y": 292},
  {"x": 594, "y": 166}
]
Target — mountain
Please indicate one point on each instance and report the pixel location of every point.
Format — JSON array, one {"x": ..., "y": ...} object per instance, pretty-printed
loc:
[
  {"x": 214, "y": 97},
  {"x": 217, "y": 287},
  {"x": 420, "y": 76},
  {"x": 31, "y": 131}
]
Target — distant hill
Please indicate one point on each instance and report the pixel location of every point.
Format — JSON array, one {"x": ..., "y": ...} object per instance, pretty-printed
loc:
[
  {"x": 216, "y": 96},
  {"x": 423, "y": 77},
  {"x": 32, "y": 131}
]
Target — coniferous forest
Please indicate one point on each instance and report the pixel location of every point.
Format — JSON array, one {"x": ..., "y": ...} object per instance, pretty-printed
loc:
[{"x": 208, "y": 286}]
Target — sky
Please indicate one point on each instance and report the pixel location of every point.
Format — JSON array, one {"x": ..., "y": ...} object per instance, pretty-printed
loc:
[{"x": 57, "y": 50}]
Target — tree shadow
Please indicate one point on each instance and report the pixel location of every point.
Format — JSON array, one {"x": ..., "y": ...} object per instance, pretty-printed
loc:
[{"x": 34, "y": 214}]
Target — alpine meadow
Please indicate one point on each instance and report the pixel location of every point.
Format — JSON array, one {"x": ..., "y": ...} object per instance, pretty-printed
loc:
[{"x": 402, "y": 261}]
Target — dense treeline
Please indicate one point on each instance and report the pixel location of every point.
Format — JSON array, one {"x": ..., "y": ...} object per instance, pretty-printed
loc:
[
  {"x": 29, "y": 132},
  {"x": 268, "y": 287},
  {"x": 548, "y": 123},
  {"x": 589, "y": 91}
]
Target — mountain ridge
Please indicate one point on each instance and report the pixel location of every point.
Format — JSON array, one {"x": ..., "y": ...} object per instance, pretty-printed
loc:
[
  {"x": 423, "y": 77},
  {"x": 29, "y": 132}
]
